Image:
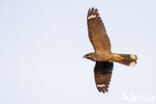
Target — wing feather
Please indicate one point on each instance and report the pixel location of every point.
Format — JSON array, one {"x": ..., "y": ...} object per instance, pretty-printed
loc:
[
  {"x": 97, "y": 32},
  {"x": 103, "y": 74}
]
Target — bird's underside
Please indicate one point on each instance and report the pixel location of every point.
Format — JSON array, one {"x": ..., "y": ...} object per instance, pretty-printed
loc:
[{"x": 103, "y": 56}]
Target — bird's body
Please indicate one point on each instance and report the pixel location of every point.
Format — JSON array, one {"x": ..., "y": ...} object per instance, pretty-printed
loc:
[{"x": 103, "y": 56}]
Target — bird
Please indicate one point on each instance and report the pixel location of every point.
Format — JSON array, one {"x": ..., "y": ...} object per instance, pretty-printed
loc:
[{"x": 102, "y": 55}]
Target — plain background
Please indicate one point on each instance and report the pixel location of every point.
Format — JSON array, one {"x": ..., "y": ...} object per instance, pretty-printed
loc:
[{"x": 42, "y": 43}]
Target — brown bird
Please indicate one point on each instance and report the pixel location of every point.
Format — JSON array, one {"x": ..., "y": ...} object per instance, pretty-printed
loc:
[{"x": 103, "y": 56}]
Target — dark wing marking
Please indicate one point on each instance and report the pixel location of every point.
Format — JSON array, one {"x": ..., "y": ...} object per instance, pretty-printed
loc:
[
  {"x": 97, "y": 32},
  {"x": 103, "y": 73}
]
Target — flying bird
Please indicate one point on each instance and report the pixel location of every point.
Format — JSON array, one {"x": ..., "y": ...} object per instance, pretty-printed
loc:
[{"x": 103, "y": 56}]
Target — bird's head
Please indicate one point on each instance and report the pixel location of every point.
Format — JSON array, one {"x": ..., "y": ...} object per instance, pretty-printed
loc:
[{"x": 90, "y": 56}]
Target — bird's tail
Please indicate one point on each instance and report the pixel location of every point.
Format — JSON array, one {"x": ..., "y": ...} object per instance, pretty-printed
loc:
[{"x": 125, "y": 59}]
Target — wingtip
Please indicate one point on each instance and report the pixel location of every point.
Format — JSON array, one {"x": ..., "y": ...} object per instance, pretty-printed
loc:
[
  {"x": 102, "y": 88},
  {"x": 92, "y": 13},
  {"x": 92, "y": 9}
]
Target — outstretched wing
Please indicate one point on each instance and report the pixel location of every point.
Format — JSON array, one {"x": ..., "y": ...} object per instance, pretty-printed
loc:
[
  {"x": 97, "y": 32},
  {"x": 103, "y": 73}
]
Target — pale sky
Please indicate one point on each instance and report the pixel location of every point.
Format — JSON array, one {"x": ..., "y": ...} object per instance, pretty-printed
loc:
[{"x": 42, "y": 43}]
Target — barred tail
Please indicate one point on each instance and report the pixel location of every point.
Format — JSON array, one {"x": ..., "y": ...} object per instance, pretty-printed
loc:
[{"x": 125, "y": 59}]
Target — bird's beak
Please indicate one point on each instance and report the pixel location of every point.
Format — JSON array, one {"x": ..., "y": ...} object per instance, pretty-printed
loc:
[{"x": 84, "y": 56}]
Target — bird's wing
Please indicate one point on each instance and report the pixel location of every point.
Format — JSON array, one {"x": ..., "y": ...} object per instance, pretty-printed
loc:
[
  {"x": 103, "y": 73},
  {"x": 97, "y": 32}
]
